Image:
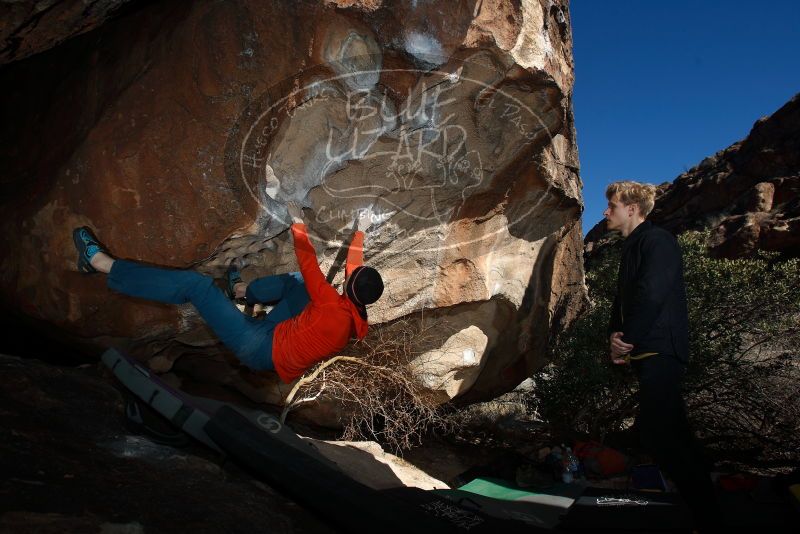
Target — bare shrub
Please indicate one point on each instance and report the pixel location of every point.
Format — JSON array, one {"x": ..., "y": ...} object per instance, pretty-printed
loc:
[
  {"x": 743, "y": 385},
  {"x": 373, "y": 381}
]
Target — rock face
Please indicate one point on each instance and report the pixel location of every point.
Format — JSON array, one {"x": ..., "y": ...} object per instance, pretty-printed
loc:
[
  {"x": 359, "y": 459},
  {"x": 27, "y": 28},
  {"x": 180, "y": 130},
  {"x": 748, "y": 194}
]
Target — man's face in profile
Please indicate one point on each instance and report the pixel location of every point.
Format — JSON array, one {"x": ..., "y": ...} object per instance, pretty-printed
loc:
[{"x": 616, "y": 214}]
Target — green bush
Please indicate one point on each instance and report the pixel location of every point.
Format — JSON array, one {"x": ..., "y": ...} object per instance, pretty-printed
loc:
[{"x": 743, "y": 381}]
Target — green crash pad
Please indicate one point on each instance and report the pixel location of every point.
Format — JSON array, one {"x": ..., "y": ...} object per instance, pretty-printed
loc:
[
  {"x": 560, "y": 495},
  {"x": 503, "y": 499}
]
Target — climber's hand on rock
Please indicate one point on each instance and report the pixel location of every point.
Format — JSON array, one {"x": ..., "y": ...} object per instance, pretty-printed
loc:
[
  {"x": 295, "y": 211},
  {"x": 363, "y": 219}
]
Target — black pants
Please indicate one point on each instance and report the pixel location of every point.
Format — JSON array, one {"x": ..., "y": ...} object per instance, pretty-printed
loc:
[{"x": 664, "y": 431}]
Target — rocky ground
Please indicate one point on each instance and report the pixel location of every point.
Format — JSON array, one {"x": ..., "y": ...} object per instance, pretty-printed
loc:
[{"x": 69, "y": 464}]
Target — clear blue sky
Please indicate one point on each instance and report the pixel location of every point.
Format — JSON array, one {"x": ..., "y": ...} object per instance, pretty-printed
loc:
[{"x": 661, "y": 85}]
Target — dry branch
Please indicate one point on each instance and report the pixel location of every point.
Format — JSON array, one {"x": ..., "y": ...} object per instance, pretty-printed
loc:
[{"x": 380, "y": 396}]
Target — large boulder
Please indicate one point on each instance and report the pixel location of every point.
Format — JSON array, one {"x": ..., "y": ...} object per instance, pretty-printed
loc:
[{"x": 180, "y": 130}]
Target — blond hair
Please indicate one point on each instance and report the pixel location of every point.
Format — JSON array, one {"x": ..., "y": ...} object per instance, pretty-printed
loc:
[{"x": 627, "y": 192}]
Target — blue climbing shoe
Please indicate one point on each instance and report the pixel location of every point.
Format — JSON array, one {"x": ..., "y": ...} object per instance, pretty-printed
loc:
[
  {"x": 87, "y": 245},
  {"x": 232, "y": 277}
]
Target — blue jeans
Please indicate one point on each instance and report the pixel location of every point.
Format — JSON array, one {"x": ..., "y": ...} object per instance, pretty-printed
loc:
[{"x": 250, "y": 339}]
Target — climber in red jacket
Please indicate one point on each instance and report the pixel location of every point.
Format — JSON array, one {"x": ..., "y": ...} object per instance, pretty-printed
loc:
[
  {"x": 312, "y": 319},
  {"x": 309, "y": 322}
]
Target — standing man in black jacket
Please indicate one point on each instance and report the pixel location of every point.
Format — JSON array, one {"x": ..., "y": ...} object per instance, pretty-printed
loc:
[{"x": 650, "y": 330}]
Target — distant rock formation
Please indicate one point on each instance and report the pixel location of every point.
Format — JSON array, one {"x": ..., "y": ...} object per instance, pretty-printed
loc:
[
  {"x": 179, "y": 130},
  {"x": 747, "y": 194}
]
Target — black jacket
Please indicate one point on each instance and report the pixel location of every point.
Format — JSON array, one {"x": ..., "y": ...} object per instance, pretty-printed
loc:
[{"x": 650, "y": 306}]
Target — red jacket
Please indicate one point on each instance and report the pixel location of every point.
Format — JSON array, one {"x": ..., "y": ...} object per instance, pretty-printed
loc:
[{"x": 327, "y": 323}]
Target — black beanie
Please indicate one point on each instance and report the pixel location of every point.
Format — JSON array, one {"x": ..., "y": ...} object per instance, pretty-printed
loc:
[{"x": 364, "y": 286}]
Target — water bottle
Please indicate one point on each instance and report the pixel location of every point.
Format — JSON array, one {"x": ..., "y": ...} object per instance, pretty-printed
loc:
[
  {"x": 570, "y": 466},
  {"x": 566, "y": 476}
]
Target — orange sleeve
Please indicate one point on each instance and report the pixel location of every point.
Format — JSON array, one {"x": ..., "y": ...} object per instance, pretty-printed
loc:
[
  {"x": 355, "y": 254},
  {"x": 307, "y": 259}
]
